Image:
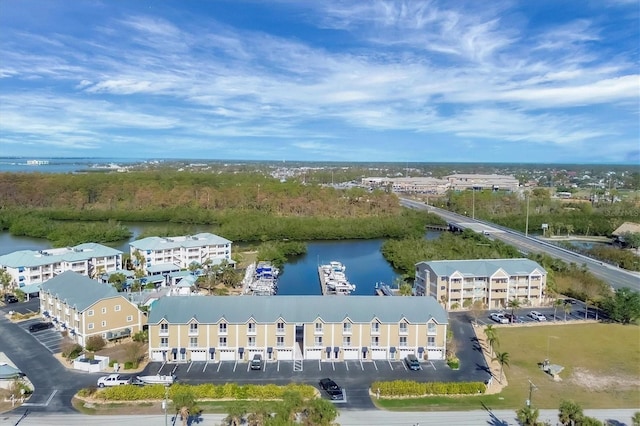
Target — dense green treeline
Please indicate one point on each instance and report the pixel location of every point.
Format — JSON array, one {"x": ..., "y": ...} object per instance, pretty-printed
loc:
[
  {"x": 404, "y": 254},
  {"x": 510, "y": 210}
]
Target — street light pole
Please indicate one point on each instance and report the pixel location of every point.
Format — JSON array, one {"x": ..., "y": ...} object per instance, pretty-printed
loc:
[
  {"x": 526, "y": 226},
  {"x": 473, "y": 203},
  {"x": 164, "y": 404},
  {"x": 532, "y": 387}
]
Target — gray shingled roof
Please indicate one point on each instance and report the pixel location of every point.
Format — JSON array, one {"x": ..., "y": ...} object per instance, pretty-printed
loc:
[
  {"x": 267, "y": 309},
  {"x": 484, "y": 267},
  {"x": 78, "y": 290}
]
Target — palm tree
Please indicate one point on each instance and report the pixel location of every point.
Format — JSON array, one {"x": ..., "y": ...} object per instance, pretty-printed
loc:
[
  {"x": 635, "y": 420},
  {"x": 570, "y": 413},
  {"x": 513, "y": 304},
  {"x": 493, "y": 342},
  {"x": 587, "y": 302},
  {"x": 235, "y": 415},
  {"x": 405, "y": 289},
  {"x": 503, "y": 359},
  {"x": 556, "y": 304},
  {"x": 528, "y": 416},
  {"x": 567, "y": 310}
]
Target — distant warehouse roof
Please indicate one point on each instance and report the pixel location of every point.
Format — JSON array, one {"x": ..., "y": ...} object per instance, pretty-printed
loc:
[{"x": 631, "y": 227}]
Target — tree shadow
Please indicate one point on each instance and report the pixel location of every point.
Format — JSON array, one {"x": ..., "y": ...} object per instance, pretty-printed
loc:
[{"x": 493, "y": 419}]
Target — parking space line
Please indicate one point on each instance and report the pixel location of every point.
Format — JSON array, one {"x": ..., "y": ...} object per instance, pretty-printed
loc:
[
  {"x": 248, "y": 365},
  {"x": 390, "y": 365},
  {"x": 334, "y": 365},
  {"x": 346, "y": 364},
  {"x": 361, "y": 365},
  {"x": 189, "y": 367},
  {"x": 320, "y": 365},
  {"x": 404, "y": 364},
  {"x": 235, "y": 365},
  {"x": 278, "y": 369},
  {"x": 219, "y": 365},
  {"x": 205, "y": 366},
  {"x": 375, "y": 365},
  {"x": 434, "y": 367}
]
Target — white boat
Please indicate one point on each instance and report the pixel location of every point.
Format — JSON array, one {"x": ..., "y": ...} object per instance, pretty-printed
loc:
[
  {"x": 334, "y": 278},
  {"x": 158, "y": 379}
]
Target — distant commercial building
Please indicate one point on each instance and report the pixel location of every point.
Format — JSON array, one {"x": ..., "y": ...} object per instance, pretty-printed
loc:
[
  {"x": 327, "y": 328},
  {"x": 459, "y": 283},
  {"x": 420, "y": 185},
  {"x": 460, "y": 182},
  {"x": 84, "y": 307},
  {"x": 28, "y": 267},
  {"x": 164, "y": 255}
]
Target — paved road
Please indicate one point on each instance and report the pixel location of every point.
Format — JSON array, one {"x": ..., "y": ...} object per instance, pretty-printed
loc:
[
  {"x": 615, "y": 276},
  {"x": 346, "y": 418}
]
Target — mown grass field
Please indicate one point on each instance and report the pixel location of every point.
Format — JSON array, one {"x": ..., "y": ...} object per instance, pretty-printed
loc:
[{"x": 602, "y": 369}]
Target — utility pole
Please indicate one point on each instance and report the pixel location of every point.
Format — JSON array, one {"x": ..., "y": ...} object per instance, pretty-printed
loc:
[
  {"x": 532, "y": 387},
  {"x": 473, "y": 203},
  {"x": 164, "y": 404}
]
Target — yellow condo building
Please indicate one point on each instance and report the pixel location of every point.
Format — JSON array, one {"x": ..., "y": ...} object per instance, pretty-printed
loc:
[{"x": 328, "y": 328}]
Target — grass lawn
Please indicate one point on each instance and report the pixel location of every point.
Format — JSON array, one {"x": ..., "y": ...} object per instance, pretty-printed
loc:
[{"x": 601, "y": 369}]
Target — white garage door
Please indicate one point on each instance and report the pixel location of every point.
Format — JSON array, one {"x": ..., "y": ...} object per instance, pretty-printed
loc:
[
  {"x": 378, "y": 353},
  {"x": 157, "y": 356},
  {"x": 313, "y": 354},
  {"x": 198, "y": 355},
  {"x": 227, "y": 354},
  {"x": 284, "y": 354},
  {"x": 434, "y": 354},
  {"x": 350, "y": 353},
  {"x": 405, "y": 352}
]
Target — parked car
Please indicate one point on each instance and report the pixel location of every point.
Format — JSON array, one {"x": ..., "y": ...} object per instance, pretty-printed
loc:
[
  {"x": 332, "y": 389},
  {"x": 537, "y": 316},
  {"x": 39, "y": 326},
  {"x": 10, "y": 298},
  {"x": 113, "y": 380},
  {"x": 570, "y": 301},
  {"x": 412, "y": 362},
  {"x": 256, "y": 362},
  {"x": 498, "y": 317}
]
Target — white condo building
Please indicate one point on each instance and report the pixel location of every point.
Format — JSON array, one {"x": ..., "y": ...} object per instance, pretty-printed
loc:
[
  {"x": 175, "y": 253},
  {"x": 28, "y": 267}
]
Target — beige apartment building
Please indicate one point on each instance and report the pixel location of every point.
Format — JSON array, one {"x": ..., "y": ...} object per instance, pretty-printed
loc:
[
  {"x": 327, "y": 328},
  {"x": 85, "y": 308},
  {"x": 459, "y": 283}
]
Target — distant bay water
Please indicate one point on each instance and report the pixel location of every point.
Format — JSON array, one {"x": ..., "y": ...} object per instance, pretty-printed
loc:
[{"x": 62, "y": 165}]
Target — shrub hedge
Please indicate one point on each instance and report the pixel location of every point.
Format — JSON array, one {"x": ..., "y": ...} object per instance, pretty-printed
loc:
[
  {"x": 203, "y": 391},
  {"x": 410, "y": 388}
]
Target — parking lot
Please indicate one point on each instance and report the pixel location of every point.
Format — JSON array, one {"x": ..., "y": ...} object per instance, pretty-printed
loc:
[
  {"x": 577, "y": 313},
  {"x": 49, "y": 338}
]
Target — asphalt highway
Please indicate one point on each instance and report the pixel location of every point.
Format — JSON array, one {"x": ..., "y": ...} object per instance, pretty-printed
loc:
[{"x": 616, "y": 277}]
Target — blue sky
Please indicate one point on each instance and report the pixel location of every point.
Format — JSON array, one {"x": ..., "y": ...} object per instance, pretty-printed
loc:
[{"x": 332, "y": 80}]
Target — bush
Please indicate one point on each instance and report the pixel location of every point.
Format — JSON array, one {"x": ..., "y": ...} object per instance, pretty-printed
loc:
[
  {"x": 128, "y": 365},
  {"x": 453, "y": 363},
  {"x": 71, "y": 350},
  {"x": 112, "y": 362},
  {"x": 95, "y": 343},
  {"x": 86, "y": 392},
  {"x": 406, "y": 388}
]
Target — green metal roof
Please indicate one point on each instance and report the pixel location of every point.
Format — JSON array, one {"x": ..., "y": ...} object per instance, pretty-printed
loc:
[
  {"x": 163, "y": 243},
  {"x": 81, "y": 252},
  {"x": 77, "y": 290},
  {"x": 295, "y": 309},
  {"x": 484, "y": 267}
]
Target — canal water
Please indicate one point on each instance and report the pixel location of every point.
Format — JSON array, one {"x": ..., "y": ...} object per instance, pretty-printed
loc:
[{"x": 362, "y": 258}]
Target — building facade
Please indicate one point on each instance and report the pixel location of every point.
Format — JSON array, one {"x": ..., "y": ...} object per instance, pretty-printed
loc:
[
  {"x": 461, "y": 182},
  {"x": 28, "y": 267},
  {"x": 175, "y": 253},
  {"x": 85, "y": 308},
  {"x": 327, "y": 328},
  {"x": 459, "y": 283}
]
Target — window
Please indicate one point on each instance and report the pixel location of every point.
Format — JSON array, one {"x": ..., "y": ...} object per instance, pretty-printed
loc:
[
  {"x": 223, "y": 342},
  {"x": 251, "y": 341},
  {"x": 346, "y": 328},
  {"x": 318, "y": 327},
  {"x": 164, "y": 328},
  {"x": 431, "y": 341},
  {"x": 223, "y": 328},
  {"x": 280, "y": 328},
  {"x": 129, "y": 318},
  {"x": 104, "y": 324},
  {"x": 164, "y": 342},
  {"x": 403, "y": 340},
  {"x": 90, "y": 326},
  {"x": 279, "y": 341},
  {"x": 251, "y": 327},
  {"x": 346, "y": 341},
  {"x": 431, "y": 328},
  {"x": 104, "y": 310},
  {"x": 117, "y": 308},
  {"x": 193, "y": 328},
  {"x": 193, "y": 342},
  {"x": 403, "y": 328},
  {"x": 318, "y": 341},
  {"x": 375, "y": 327},
  {"x": 90, "y": 313},
  {"x": 375, "y": 341}
]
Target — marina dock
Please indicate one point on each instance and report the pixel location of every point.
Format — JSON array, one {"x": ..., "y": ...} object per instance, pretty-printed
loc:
[{"x": 333, "y": 279}]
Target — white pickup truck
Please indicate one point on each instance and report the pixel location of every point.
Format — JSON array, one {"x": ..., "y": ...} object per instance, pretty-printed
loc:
[{"x": 113, "y": 380}]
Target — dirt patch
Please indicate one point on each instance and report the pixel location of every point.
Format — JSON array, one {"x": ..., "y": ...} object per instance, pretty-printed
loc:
[
  {"x": 120, "y": 352},
  {"x": 597, "y": 382},
  {"x": 497, "y": 384}
]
